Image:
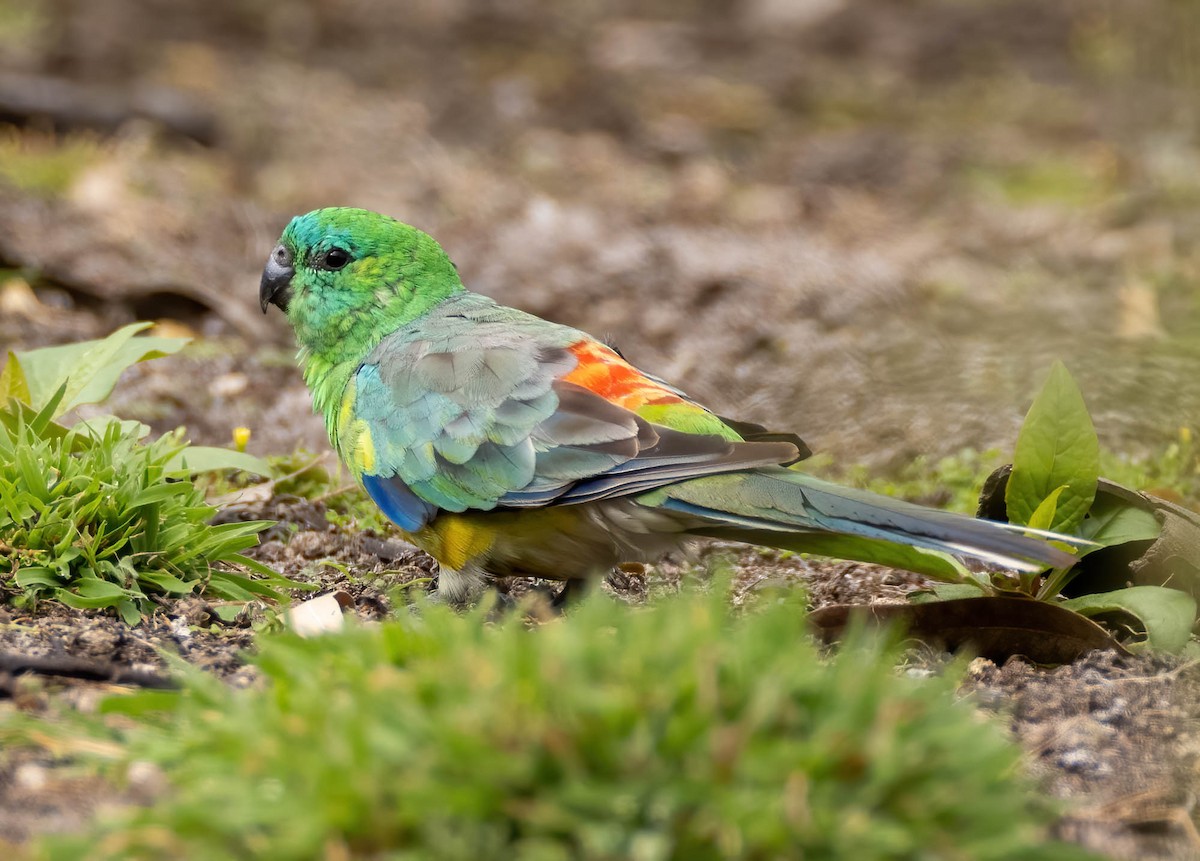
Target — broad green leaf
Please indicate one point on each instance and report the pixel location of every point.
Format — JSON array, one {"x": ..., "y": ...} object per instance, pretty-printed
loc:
[
  {"x": 29, "y": 577},
  {"x": 1057, "y": 446},
  {"x": 130, "y": 613},
  {"x": 203, "y": 458},
  {"x": 80, "y": 602},
  {"x": 1111, "y": 521},
  {"x": 90, "y": 369},
  {"x": 1043, "y": 515},
  {"x": 12, "y": 381},
  {"x": 1167, "y": 614},
  {"x": 93, "y": 587},
  {"x": 227, "y": 612},
  {"x": 167, "y": 582}
]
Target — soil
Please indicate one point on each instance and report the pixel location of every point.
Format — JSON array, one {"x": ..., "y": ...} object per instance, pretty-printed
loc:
[{"x": 873, "y": 223}]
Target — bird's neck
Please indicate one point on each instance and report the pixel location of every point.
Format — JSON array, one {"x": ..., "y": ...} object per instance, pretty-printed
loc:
[
  {"x": 331, "y": 354},
  {"x": 326, "y": 379}
]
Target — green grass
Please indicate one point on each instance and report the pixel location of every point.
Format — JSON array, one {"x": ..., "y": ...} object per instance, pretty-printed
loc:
[
  {"x": 678, "y": 731},
  {"x": 106, "y": 521},
  {"x": 1172, "y": 471}
]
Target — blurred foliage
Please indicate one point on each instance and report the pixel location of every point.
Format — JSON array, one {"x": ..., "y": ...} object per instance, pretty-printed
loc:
[
  {"x": 1173, "y": 472},
  {"x": 44, "y": 164},
  {"x": 1066, "y": 181},
  {"x": 952, "y": 482},
  {"x": 23, "y": 25},
  {"x": 674, "y": 732}
]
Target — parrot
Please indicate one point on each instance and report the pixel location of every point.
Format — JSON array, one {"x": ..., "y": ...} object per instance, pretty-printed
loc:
[{"x": 504, "y": 444}]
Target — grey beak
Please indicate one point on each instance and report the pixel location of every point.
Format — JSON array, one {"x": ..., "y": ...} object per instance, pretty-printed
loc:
[{"x": 276, "y": 285}]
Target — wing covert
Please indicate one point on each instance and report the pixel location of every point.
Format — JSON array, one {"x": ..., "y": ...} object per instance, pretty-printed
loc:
[{"x": 470, "y": 410}]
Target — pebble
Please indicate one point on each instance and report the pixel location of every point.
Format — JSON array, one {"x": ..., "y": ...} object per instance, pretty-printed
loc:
[
  {"x": 146, "y": 779},
  {"x": 30, "y": 776},
  {"x": 228, "y": 385},
  {"x": 1082, "y": 761}
]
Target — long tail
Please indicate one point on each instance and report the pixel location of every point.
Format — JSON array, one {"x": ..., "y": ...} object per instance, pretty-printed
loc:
[{"x": 789, "y": 510}]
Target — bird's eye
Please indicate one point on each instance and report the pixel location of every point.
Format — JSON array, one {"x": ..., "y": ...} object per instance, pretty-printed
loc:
[{"x": 335, "y": 258}]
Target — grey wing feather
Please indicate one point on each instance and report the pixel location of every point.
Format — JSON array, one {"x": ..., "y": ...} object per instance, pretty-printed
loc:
[{"x": 468, "y": 409}]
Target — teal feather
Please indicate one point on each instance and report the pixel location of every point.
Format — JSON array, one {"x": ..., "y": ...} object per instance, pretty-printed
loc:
[{"x": 474, "y": 417}]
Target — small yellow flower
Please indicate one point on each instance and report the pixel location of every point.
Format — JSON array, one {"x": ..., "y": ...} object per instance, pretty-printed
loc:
[
  {"x": 241, "y": 436},
  {"x": 1185, "y": 435}
]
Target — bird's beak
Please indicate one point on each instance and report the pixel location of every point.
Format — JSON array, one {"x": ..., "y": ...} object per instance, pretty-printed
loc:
[{"x": 276, "y": 285}]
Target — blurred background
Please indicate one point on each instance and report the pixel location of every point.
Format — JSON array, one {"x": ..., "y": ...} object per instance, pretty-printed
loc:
[{"x": 873, "y": 222}]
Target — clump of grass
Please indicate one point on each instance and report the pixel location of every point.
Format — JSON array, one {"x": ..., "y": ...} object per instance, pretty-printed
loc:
[
  {"x": 107, "y": 522},
  {"x": 675, "y": 732},
  {"x": 93, "y": 516}
]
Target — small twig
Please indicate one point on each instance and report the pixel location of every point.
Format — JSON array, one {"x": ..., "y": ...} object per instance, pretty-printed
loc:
[
  {"x": 15, "y": 664},
  {"x": 329, "y": 494},
  {"x": 1168, "y": 674},
  {"x": 316, "y": 461}
]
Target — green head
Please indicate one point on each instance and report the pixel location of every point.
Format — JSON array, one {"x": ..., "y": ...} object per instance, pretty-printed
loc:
[{"x": 346, "y": 278}]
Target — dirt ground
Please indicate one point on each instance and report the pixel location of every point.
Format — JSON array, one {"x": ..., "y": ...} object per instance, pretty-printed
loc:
[
  {"x": 875, "y": 223},
  {"x": 1117, "y": 738}
]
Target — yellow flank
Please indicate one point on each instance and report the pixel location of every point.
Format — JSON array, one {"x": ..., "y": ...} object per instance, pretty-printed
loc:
[
  {"x": 340, "y": 428},
  {"x": 364, "y": 449},
  {"x": 454, "y": 539},
  {"x": 346, "y": 412},
  {"x": 352, "y": 436},
  {"x": 509, "y": 539}
]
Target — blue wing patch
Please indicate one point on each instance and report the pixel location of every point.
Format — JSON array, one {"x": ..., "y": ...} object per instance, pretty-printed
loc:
[{"x": 403, "y": 507}]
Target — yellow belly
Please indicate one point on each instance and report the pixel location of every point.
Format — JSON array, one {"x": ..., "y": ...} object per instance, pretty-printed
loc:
[{"x": 557, "y": 543}]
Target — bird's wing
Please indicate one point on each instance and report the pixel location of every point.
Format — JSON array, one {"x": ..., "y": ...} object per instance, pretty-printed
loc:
[{"x": 499, "y": 409}]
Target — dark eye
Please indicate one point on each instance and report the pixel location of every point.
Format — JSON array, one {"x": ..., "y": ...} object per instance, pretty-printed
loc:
[{"x": 335, "y": 258}]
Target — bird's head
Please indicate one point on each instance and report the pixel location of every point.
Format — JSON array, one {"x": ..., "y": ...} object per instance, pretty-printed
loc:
[{"x": 339, "y": 272}]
